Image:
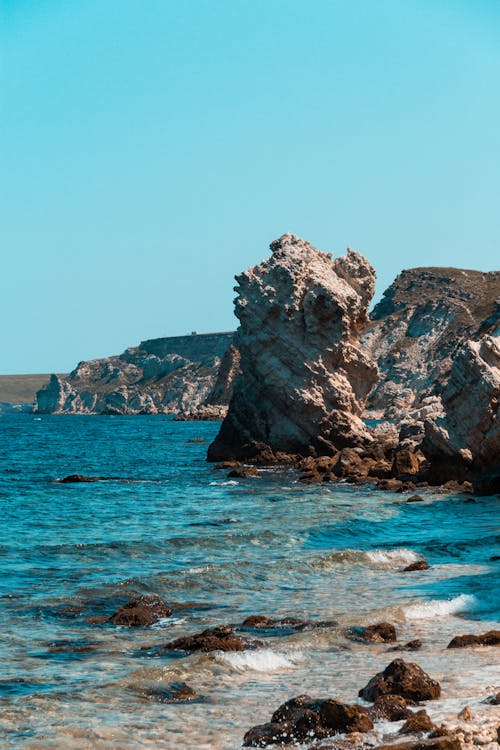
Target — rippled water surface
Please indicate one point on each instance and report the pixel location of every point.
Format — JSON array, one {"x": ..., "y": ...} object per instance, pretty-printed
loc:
[{"x": 218, "y": 549}]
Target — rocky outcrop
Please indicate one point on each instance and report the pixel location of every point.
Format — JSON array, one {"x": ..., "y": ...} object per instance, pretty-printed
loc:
[
  {"x": 160, "y": 376},
  {"x": 465, "y": 442},
  {"x": 402, "y": 678},
  {"x": 304, "y": 378},
  {"x": 418, "y": 326},
  {"x": 140, "y": 612}
]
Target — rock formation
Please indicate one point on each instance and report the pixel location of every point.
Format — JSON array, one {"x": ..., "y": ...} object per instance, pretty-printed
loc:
[
  {"x": 418, "y": 326},
  {"x": 465, "y": 442},
  {"x": 160, "y": 376},
  {"x": 304, "y": 378}
]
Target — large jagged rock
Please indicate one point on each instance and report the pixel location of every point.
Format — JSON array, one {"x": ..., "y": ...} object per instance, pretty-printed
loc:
[
  {"x": 418, "y": 326},
  {"x": 465, "y": 443},
  {"x": 160, "y": 376},
  {"x": 304, "y": 378}
]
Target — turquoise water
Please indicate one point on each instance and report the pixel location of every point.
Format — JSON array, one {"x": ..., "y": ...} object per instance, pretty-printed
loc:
[{"x": 218, "y": 549}]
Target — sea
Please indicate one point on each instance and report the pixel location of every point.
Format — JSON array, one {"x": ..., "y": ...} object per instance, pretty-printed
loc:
[{"x": 164, "y": 521}]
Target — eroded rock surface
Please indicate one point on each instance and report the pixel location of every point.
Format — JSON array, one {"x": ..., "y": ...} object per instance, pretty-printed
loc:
[
  {"x": 418, "y": 326},
  {"x": 465, "y": 443},
  {"x": 304, "y": 378},
  {"x": 402, "y": 678},
  {"x": 160, "y": 376}
]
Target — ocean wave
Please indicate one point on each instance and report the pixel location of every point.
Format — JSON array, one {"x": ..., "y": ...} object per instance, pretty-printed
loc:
[
  {"x": 379, "y": 558},
  {"x": 440, "y": 608},
  {"x": 261, "y": 660}
]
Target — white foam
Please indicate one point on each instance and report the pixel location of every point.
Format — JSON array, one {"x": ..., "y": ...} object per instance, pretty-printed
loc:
[
  {"x": 440, "y": 608},
  {"x": 261, "y": 660},
  {"x": 223, "y": 484}
]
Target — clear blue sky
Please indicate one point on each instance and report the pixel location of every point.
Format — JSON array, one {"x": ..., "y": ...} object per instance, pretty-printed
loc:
[{"x": 151, "y": 150}]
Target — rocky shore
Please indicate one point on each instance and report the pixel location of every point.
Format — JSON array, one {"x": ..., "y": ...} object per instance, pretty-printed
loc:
[{"x": 312, "y": 365}]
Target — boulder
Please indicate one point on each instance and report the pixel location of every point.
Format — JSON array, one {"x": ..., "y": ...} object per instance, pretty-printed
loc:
[
  {"x": 304, "y": 378},
  {"x": 391, "y": 707},
  {"x": 417, "y": 565},
  {"x": 382, "y": 632},
  {"x": 140, "y": 612},
  {"x": 213, "y": 639},
  {"x": 417, "y": 722},
  {"x": 402, "y": 678},
  {"x": 491, "y": 638},
  {"x": 303, "y": 718}
]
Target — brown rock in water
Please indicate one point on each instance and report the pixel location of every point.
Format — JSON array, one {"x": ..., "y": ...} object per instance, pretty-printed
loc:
[
  {"x": 417, "y": 722},
  {"x": 417, "y": 565},
  {"x": 241, "y": 472},
  {"x": 405, "y": 463},
  {"x": 414, "y": 645},
  {"x": 177, "y": 692},
  {"x": 340, "y": 717},
  {"x": 267, "y": 734},
  {"x": 491, "y": 638},
  {"x": 303, "y": 718},
  {"x": 438, "y": 743},
  {"x": 391, "y": 707},
  {"x": 213, "y": 639},
  {"x": 402, "y": 678},
  {"x": 304, "y": 379},
  {"x": 415, "y": 499},
  {"x": 382, "y": 632},
  {"x": 140, "y": 612}
]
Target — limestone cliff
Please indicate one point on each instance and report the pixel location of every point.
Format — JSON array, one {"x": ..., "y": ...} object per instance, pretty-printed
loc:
[
  {"x": 418, "y": 326},
  {"x": 465, "y": 442},
  {"x": 304, "y": 378},
  {"x": 160, "y": 376}
]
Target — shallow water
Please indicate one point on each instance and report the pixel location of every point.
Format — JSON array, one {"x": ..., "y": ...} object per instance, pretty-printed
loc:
[{"x": 218, "y": 549}]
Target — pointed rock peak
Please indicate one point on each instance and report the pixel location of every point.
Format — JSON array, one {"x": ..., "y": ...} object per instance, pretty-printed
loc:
[{"x": 288, "y": 241}]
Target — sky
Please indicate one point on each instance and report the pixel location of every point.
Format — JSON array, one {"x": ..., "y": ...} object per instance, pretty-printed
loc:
[{"x": 149, "y": 151}]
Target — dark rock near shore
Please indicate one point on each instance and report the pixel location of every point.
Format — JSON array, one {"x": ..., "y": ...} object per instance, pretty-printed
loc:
[
  {"x": 241, "y": 472},
  {"x": 304, "y": 718},
  {"x": 176, "y": 692},
  {"x": 437, "y": 743},
  {"x": 417, "y": 565},
  {"x": 391, "y": 707},
  {"x": 213, "y": 639},
  {"x": 382, "y": 632},
  {"x": 491, "y": 638},
  {"x": 402, "y": 678},
  {"x": 417, "y": 722},
  {"x": 140, "y": 612},
  {"x": 414, "y": 645}
]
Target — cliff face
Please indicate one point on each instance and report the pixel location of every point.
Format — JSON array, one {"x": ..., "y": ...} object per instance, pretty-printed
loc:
[
  {"x": 419, "y": 325},
  {"x": 304, "y": 379},
  {"x": 465, "y": 442},
  {"x": 159, "y": 376}
]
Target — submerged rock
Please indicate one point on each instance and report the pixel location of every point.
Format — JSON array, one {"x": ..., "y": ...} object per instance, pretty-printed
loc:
[
  {"x": 176, "y": 692},
  {"x": 437, "y": 743},
  {"x": 140, "y": 612},
  {"x": 304, "y": 379},
  {"x": 402, "y": 678},
  {"x": 491, "y": 638},
  {"x": 241, "y": 472},
  {"x": 76, "y": 478}
]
